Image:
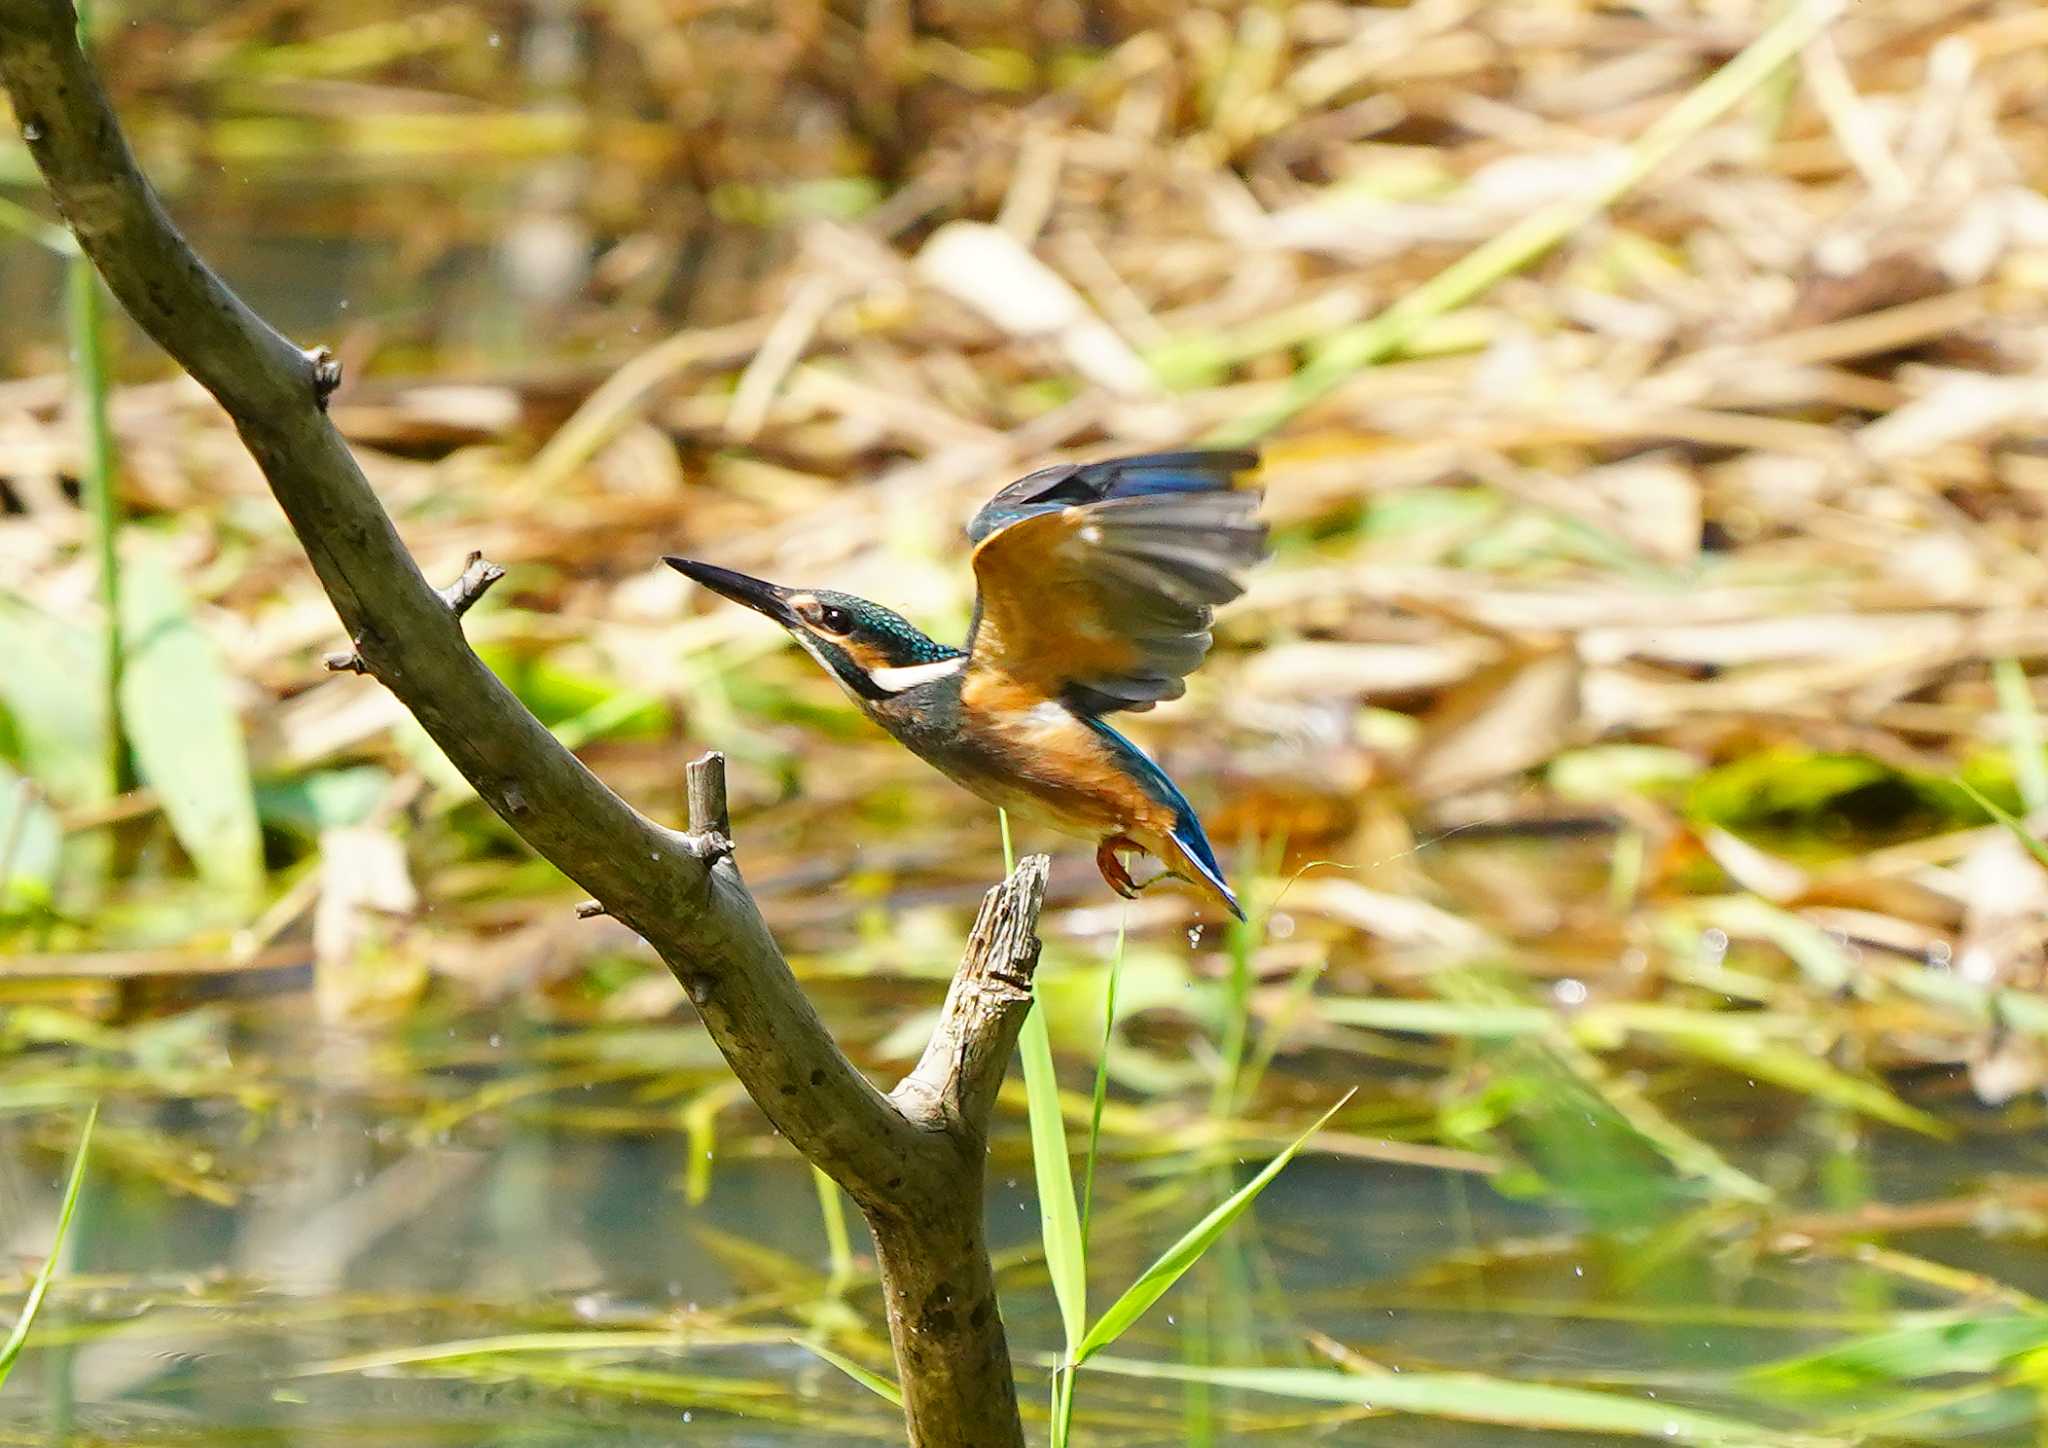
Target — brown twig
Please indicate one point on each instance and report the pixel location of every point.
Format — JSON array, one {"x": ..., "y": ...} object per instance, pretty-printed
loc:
[{"x": 478, "y": 575}]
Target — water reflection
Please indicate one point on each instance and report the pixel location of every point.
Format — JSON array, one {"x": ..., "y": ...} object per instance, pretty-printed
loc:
[{"x": 346, "y": 1265}]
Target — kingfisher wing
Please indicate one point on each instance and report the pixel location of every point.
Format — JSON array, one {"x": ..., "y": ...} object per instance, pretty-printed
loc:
[{"x": 1098, "y": 581}]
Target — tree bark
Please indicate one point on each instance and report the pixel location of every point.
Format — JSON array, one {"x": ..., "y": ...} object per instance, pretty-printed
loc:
[
  {"x": 913, "y": 1160},
  {"x": 953, "y": 1361}
]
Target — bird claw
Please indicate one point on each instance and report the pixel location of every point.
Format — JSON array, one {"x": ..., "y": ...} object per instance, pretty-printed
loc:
[{"x": 1112, "y": 866}]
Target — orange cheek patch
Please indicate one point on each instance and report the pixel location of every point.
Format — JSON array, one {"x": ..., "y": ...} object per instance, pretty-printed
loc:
[{"x": 865, "y": 654}]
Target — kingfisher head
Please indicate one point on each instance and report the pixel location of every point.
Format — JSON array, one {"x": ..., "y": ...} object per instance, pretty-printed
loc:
[{"x": 875, "y": 652}]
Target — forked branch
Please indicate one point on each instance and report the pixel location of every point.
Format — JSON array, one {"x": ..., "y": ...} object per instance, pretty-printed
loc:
[{"x": 914, "y": 1161}]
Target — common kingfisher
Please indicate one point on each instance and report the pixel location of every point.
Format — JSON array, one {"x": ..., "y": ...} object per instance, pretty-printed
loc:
[{"x": 1095, "y": 588}]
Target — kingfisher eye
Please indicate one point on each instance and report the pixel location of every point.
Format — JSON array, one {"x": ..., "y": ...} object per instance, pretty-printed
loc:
[{"x": 835, "y": 620}]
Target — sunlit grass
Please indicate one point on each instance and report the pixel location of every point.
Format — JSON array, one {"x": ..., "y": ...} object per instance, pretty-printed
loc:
[
  {"x": 39, "y": 1288},
  {"x": 1613, "y": 1050}
]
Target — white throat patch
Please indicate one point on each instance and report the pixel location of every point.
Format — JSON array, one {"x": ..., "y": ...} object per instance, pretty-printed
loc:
[{"x": 909, "y": 676}]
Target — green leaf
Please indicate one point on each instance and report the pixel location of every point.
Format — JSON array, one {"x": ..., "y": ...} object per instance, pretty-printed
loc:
[
  {"x": 30, "y": 844},
  {"x": 1478, "y": 1398},
  {"x": 51, "y": 689},
  {"x": 326, "y": 799},
  {"x": 1059, "y": 1219},
  {"x": 177, "y": 704},
  {"x": 1932, "y": 1350},
  {"x": 33, "y": 1304},
  {"x": 1782, "y": 788},
  {"x": 1438, "y": 1018},
  {"x": 874, "y": 1382},
  {"x": 1175, "y": 1260},
  {"x": 1797, "y": 1069}
]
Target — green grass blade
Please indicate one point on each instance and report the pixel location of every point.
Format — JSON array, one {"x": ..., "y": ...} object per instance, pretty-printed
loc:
[
  {"x": 1479, "y": 1398},
  {"x": 1175, "y": 1260},
  {"x": 1274, "y": 1032},
  {"x": 1908, "y": 1354},
  {"x": 873, "y": 1381},
  {"x": 87, "y": 320},
  {"x": 838, "y": 1243},
  {"x": 23, "y": 222},
  {"x": 2013, "y": 827},
  {"x": 2022, "y": 732},
  {"x": 40, "y": 1288},
  {"x": 1064, "y": 1383},
  {"x": 1058, "y": 1218},
  {"x": 1237, "y": 1010},
  {"x": 1101, "y": 1094},
  {"x": 1796, "y": 1068}
]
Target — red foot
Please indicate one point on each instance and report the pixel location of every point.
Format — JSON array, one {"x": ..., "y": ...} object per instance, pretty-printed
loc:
[{"x": 1113, "y": 868}]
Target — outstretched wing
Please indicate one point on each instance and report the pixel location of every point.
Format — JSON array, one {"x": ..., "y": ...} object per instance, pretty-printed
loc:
[{"x": 1098, "y": 580}]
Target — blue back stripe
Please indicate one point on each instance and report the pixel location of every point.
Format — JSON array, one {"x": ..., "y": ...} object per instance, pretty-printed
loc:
[{"x": 1187, "y": 828}]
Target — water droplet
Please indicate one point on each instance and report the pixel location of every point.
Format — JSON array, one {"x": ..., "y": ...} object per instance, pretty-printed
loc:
[
  {"x": 31, "y": 132},
  {"x": 1569, "y": 992},
  {"x": 496, "y": 40},
  {"x": 496, "y": 1040},
  {"x": 1194, "y": 935},
  {"x": 1940, "y": 954}
]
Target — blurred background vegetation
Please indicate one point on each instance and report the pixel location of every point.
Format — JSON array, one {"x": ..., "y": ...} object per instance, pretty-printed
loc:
[{"x": 1612, "y": 750}]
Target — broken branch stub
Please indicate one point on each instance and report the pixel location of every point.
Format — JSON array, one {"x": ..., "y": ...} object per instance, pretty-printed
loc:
[{"x": 478, "y": 574}]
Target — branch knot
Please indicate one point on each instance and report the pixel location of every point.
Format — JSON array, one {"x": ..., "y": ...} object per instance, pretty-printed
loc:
[
  {"x": 326, "y": 375},
  {"x": 478, "y": 574}
]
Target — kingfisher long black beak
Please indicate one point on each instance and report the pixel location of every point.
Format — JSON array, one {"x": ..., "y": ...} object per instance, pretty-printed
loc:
[{"x": 764, "y": 598}]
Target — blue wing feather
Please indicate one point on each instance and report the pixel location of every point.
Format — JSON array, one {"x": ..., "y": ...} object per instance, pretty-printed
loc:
[
  {"x": 1187, "y": 826},
  {"x": 1072, "y": 484}
]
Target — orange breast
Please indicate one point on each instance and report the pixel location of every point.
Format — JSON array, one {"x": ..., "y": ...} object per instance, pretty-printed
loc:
[{"x": 1074, "y": 779}]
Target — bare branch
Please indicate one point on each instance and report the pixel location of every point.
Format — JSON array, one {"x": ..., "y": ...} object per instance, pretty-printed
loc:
[
  {"x": 687, "y": 902},
  {"x": 955, "y": 1083},
  {"x": 914, "y": 1162},
  {"x": 459, "y": 596}
]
